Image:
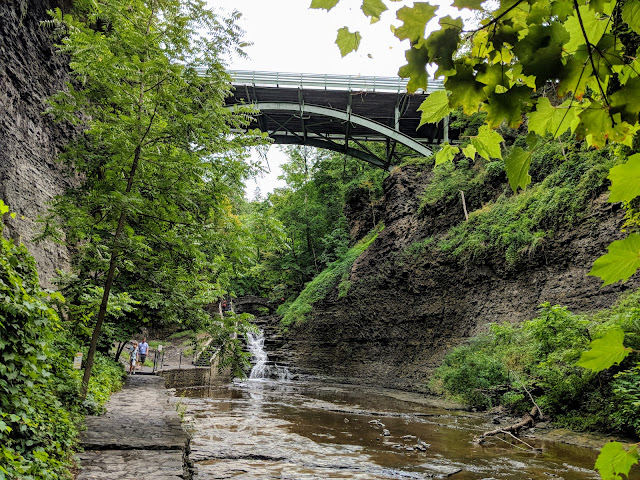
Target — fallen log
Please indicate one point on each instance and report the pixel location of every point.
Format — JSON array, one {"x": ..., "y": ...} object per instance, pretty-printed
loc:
[{"x": 529, "y": 420}]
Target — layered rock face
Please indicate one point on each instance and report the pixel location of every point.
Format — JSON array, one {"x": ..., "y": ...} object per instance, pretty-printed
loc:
[
  {"x": 403, "y": 313},
  {"x": 30, "y": 71}
]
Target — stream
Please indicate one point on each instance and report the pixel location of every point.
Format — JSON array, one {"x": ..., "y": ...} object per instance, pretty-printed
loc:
[{"x": 262, "y": 429}]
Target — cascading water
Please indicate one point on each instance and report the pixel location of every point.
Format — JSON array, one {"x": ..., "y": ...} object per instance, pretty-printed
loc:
[
  {"x": 255, "y": 344},
  {"x": 260, "y": 360}
]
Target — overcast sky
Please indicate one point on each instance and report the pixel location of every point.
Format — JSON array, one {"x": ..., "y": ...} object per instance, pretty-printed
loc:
[{"x": 287, "y": 36}]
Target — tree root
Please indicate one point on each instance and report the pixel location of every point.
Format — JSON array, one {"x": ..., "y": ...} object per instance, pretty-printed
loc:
[{"x": 529, "y": 420}]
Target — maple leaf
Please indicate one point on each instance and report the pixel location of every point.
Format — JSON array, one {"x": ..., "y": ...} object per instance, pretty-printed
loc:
[
  {"x": 446, "y": 153},
  {"x": 621, "y": 261},
  {"x": 614, "y": 460},
  {"x": 470, "y": 151},
  {"x": 594, "y": 26},
  {"x": 415, "y": 21},
  {"x": 631, "y": 14},
  {"x": 554, "y": 120},
  {"x": 595, "y": 125},
  {"x": 325, "y": 4},
  {"x": 487, "y": 143},
  {"x": 470, "y": 4},
  {"x": 347, "y": 42},
  {"x": 627, "y": 99},
  {"x": 517, "y": 167},
  {"x": 373, "y": 9},
  {"x": 434, "y": 108},
  {"x": 443, "y": 43},
  {"x": 605, "y": 352},
  {"x": 415, "y": 69},
  {"x": 625, "y": 180},
  {"x": 466, "y": 92},
  {"x": 507, "y": 107}
]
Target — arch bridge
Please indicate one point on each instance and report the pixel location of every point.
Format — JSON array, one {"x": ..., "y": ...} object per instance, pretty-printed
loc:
[{"x": 339, "y": 113}]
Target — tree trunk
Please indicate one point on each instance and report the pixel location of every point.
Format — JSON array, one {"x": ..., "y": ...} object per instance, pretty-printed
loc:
[
  {"x": 108, "y": 284},
  {"x": 120, "y": 349}
]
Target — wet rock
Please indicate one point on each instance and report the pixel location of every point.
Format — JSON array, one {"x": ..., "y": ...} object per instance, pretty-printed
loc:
[
  {"x": 386, "y": 433},
  {"x": 422, "y": 445},
  {"x": 408, "y": 437},
  {"x": 409, "y": 449}
]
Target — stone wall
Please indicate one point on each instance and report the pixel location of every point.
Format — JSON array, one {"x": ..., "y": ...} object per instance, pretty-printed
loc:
[
  {"x": 30, "y": 71},
  {"x": 402, "y": 314}
]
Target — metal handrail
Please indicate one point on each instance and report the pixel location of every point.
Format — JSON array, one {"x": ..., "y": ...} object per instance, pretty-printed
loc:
[{"x": 326, "y": 81}]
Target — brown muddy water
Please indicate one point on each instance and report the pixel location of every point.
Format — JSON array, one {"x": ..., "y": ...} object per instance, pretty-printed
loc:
[{"x": 264, "y": 429}]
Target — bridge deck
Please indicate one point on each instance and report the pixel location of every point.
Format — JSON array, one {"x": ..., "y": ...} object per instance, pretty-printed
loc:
[{"x": 339, "y": 112}]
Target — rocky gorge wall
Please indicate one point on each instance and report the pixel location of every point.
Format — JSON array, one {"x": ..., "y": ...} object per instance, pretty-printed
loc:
[
  {"x": 401, "y": 315},
  {"x": 30, "y": 71}
]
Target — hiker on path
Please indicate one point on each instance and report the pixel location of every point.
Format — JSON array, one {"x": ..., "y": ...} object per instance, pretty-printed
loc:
[
  {"x": 143, "y": 349},
  {"x": 133, "y": 357}
]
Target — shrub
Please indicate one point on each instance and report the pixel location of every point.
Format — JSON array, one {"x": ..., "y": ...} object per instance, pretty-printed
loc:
[
  {"x": 539, "y": 356},
  {"x": 39, "y": 391},
  {"x": 516, "y": 226}
]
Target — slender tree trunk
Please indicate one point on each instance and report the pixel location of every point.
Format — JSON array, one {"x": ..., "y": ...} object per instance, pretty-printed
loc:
[
  {"x": 119, "y": 350},
  {"x": 108, "y": 284}
]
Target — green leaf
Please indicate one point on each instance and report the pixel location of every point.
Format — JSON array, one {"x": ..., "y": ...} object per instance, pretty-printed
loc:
[
  {"x": 621, "y": 261},
  {"x": 415, "y": 21},
  {"x": 594, "y": 26},
  {"x": 466, "y": 92},
  {"x": 434, "y": 108},
  {"x": 470, "y": 151},
  {"x": 470, "y": 4},
  {"x": 605, "y": 352},
  {"x": 615, "y": 460},
  {"x": 487, "y": 143},
  {"x": 446, "y": 153},
  {"x": 596, "y": 125},
  {"x": 347, "y": 42},
  {"x": 627, "y": 99},
  {"x": 507, "y": 107},
  {"x": 415, "y": 69},
  {"x": 553, "y": 120},
  {"x": 631, "y": 15},
  {"x": 373, "y": 9},
  {"x": 442, "y": 45},
  {"x": 326, "y": 4},
  {"x": 517, "y": 166},
  {"x": 625, "y": 180}
]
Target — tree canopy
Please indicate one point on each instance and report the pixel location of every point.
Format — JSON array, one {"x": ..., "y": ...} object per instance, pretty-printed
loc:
[{"x": 158, "y": 167}]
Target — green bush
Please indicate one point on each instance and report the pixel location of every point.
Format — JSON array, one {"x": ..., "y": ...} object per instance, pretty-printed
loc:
[
  {"x": 39, "y": 391},
  {"x": 517, "y": 225},
  {"x": 539, "y": 357}
]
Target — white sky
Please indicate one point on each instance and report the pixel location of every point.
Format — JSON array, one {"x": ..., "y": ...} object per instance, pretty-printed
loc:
[{"x": 287, "y": 36}]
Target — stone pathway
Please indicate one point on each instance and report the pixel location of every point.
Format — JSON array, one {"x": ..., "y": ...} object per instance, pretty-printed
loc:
[{"x": 139, "y": 436}]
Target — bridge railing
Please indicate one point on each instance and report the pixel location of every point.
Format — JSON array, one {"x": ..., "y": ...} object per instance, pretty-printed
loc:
[{"x": 327, "y": 81}]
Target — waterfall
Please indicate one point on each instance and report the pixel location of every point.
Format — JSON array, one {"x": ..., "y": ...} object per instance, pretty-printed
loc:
[
  {"x": 260, "y": 360},
  {"x": 255, "y": 344}
]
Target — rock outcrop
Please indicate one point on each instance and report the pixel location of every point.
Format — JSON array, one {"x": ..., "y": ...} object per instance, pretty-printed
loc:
[
  {"x": 402, "y": 314},
  {"x": 30, "y": 71}
]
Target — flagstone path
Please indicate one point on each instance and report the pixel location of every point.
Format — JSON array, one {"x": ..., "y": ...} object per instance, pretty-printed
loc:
[{"x": 139, "y": 436}]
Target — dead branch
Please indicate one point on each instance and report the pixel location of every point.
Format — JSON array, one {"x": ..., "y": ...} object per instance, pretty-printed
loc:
[{"x": 529, "y": 420}]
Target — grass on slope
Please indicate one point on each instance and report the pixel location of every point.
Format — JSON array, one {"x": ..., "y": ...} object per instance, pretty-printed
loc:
[{"x": 325, "y": 282}]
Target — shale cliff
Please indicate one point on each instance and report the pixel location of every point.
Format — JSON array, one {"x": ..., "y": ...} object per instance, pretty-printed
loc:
[
  {"x": 403, "y": 314},
  {"x": 30, "y": 71}
]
